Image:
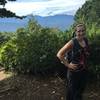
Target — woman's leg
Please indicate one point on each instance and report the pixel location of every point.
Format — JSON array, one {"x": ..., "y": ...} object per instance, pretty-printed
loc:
[
  {"x": 83, "y": 82},
  {"x": 72, "y": 85},
  {"x": 75, "y": 85}
]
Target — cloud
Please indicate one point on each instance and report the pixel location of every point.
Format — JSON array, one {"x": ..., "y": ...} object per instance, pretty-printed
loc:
[{"x": 45, "y": 7}]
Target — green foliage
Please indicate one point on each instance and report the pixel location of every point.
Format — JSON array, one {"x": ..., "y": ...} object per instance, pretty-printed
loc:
[
  {"x": 95, "y": 52},
  {"x": 90, "y": 12},
  {"x": 36, "y": 52},
  {"x": 33, "y": 27},
  {"x": 90, "y": 15},
  {"x": 32, "y": 49},
  {"x": 5, "y": 37},
  {"x": 8, "y": 55}
]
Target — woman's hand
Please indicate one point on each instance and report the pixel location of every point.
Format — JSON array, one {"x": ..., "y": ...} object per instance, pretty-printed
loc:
[{"x": 72, "y": 66}]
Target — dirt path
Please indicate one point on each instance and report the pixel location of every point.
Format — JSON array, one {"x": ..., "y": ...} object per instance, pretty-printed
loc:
[
  {"x": 24, "y": 87},
  {"x": 2, "y": 75}
]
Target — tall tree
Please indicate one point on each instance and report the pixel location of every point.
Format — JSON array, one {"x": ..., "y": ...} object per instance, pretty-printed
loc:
[
  {"x": 6, "y": 13},
  {"x": 89, "y": 14}
]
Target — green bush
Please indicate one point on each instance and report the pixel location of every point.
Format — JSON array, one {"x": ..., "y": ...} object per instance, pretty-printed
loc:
[
  {"x": 37, "y": 52},
  {"x": 94, "y": 63},
  {"x": 8, "y": 55}
]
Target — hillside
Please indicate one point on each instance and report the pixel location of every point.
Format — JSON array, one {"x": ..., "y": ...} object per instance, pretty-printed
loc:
[
  {"x": 61, "y": 22},
  {"x": 90, "y": 15}
]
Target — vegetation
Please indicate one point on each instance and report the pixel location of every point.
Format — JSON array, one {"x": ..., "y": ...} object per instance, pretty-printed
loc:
[{"x": 33, "y": 49}]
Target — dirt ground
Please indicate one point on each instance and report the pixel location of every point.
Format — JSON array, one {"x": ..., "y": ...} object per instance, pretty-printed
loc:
[{"x": 28, "y": 87}]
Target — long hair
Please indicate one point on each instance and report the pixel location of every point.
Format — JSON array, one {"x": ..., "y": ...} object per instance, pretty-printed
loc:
[{"x": 73, "y": 34}]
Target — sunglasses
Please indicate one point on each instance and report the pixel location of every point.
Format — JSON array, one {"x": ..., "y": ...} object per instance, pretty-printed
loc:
[{"x": 80, "y": 31}]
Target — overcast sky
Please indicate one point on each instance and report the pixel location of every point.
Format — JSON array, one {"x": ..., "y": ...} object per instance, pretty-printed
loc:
[{"x": 44, "y": 7}]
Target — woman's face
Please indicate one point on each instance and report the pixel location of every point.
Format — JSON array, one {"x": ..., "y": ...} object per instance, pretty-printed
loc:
[{"x": 80, "y": 32}]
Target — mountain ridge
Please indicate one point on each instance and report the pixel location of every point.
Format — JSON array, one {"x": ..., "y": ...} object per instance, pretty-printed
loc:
[{"x": 60, "y": 21}]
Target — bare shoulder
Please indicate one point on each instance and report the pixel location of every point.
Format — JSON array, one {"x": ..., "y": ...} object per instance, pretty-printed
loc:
[
  {"x": 68, "y": 45},
  {"x": 65, "y": 48}
]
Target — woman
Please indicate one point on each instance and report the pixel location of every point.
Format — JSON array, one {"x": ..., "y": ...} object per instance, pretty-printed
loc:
[{"x": 77, "y": 70}]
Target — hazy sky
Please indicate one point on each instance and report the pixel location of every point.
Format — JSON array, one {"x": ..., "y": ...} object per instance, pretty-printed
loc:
[{"x": 44, "y": 7}]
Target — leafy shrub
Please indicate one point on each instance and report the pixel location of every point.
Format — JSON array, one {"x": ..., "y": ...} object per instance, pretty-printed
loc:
[
  {"x": 8, "y": 55},
  {"x": 37, "y": 53}
]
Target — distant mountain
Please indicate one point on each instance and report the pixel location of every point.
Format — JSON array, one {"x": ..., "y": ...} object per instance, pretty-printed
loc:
[
  {"x": 61, "y": 22},
  {"x": 58, "y": 21}
]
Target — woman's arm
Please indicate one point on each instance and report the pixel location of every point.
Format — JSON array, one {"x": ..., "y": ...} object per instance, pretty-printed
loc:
[{"x": 61, "y": 53}]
